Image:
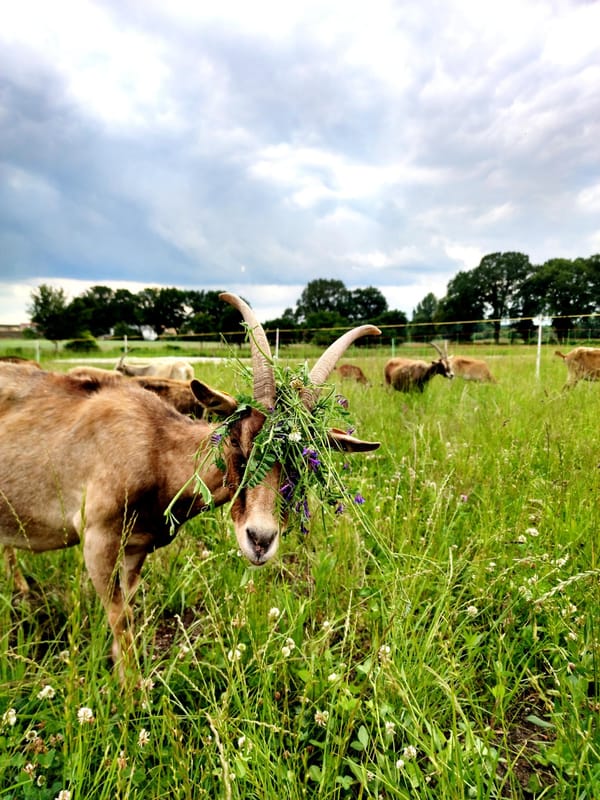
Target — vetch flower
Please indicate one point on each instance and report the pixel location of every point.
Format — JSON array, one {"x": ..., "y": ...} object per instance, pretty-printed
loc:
[
  {"x": 312, "y": 458},
  {"x": 359, "y": 499}
]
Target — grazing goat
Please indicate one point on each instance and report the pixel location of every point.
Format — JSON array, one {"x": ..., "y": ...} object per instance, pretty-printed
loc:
[
  {"x": 179, "y": 394},
  {"x": 352, "y": 372},
  {"x": 160, "y": 368},
  {"x": 471, "y": 369},
  {"x": 100, "y": 462},
  {"x": 583, "y": 363},
  {"x": 407, "y": 374}
]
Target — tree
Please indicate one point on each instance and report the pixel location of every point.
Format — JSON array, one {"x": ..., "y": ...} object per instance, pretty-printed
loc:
[
  {"x": 163, "y": 308},
  {"x": 365, "y": 305},
  {"x": 563, "y": 290},
  {"x": 323, "y": 295},
  {"x": 461, "y": 304},
  {"x": 50, "y": 314},
  {"x": 394, "y": 326},
  {"x": 498, "y": 280},
  {"x": 424, "y": 314}
]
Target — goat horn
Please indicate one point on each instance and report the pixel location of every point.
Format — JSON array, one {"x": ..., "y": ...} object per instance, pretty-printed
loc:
[
  {"x": 433, "y": 344},
  {"x": 264, "y": 378},
  {"x": 326, "y": 363}
]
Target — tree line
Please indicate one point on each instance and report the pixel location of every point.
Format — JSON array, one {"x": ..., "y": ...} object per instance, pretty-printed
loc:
[{"x": 504, "y": 286}]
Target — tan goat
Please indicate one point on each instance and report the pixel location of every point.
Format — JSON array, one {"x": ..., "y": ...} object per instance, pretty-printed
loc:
[
  {"x": 159, "y": 368},
  {"x": 471, "y": 369},
  {"x": 583, "y": 364},
  {"x": 179, "y": 394},
  {"x": 352, "y": 372},
  {"x": 98, "y": 463}
]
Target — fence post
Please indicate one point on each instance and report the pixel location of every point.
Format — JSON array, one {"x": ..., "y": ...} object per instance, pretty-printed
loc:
[{"x": 539, "y": 350}]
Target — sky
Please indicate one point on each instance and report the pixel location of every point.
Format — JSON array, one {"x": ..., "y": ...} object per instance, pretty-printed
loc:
[{"x": 255, "y": 147}]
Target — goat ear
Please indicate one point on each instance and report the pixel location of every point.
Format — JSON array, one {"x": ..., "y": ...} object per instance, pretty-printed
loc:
[
  {"x": 212, "y": 399},
  {"x": 349, "y": 444}
]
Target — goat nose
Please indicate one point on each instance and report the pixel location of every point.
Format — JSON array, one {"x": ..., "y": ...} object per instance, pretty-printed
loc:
[{"x": 260, "y": 542}]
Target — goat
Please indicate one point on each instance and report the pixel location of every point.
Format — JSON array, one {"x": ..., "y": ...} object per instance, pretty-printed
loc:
[
  {"x": 471, "y": 369},
  {"x": 352, "y": 372},
  {"x": 177, "y": 393},
  {"x": 583, "y": 363},
  {"x": 160, "y": 368},
  {"x": 100, "y": 462},
  {"x": 407, "y": 374}
]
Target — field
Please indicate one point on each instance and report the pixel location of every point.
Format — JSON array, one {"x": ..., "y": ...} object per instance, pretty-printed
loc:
[{"x": 438, "y": 641}]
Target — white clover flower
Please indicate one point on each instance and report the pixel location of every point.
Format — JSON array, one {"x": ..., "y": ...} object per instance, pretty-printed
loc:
[
  {"x": 46, "y": 693},
  {"x": 333, "y": 677},
  {"x": 236, "y": 653},
  {"x": 295, "y": 436},
  {"x": 85, "y": 715},
  {"x": 286, "y": 651},
  {"x": 384, "y": 653},
  {"x": 390, "y": 729},
  {"x": 274, "y": 614},
  {"x": 143, "y": 738},
  {"x": 532, "y": 532},
  {"x": 472, "y": 611},
  {"x": 521, "y": 539},
  {"x": 64, "y": 794},
  {"x": 409, "y": 752},
  {"x": 9, "y": 718},
  {"x": 29, "y": 769},
  {"x": 400, "y": 763},
  {"x": 327, "y": 626},
  {"x": 322, "y": 718}
]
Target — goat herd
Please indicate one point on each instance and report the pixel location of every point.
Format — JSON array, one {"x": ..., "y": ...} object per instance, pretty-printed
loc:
[{"x": 93, "y": 456}]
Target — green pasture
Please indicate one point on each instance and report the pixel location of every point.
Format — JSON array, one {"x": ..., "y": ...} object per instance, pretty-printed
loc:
[{"x": 439, "y": 641}]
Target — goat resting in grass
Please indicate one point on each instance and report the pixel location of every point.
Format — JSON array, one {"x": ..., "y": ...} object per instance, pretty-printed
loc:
[
  {"x": 158, "y": 367},
  {"x": 408, "y": 374},
  {"x": 98, "y": 462}
]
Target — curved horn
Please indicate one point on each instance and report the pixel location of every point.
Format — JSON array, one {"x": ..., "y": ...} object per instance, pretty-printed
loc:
[
  {"x": 264, "y": 378},
  {"x": 433, "y": 344},
  {"x": 324, "y": 366}
]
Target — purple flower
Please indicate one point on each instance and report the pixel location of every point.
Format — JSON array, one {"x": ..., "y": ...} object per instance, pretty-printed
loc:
[
  {"x": 215, "y": 439},
  {"x": 311, "y": 458},
  {"x": 341, "y": 400},
  {"x": 359, "y": 499},
  {"x": 340, "y": 508}
]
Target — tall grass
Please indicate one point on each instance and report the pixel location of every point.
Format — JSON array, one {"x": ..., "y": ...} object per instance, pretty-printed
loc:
[{"x": 439, "y": 642}]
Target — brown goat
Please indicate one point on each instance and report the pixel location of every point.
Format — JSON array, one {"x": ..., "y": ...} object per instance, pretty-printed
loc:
[
  {"x": 408, "y": 374},
  {"x": 471, "y": 369},
  {"x": 583, "y": 364},
  {"x": 352, "y": 372},
  {"x": 98, "y": 463}
]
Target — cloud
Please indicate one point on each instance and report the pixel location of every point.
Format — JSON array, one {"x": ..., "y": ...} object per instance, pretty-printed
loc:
[{"x": 266, "y": 145}]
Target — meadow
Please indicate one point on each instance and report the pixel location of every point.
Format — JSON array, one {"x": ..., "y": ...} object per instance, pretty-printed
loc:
[{"x": 437, "y": 641}]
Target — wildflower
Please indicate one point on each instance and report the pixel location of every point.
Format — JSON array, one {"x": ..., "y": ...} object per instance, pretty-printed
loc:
[
  {"x": 464, "y": 498},
  {"x": 236, "y": 653},
  {"x": 286, "y": 651},
  {"x": 390, "y": 729},
  {"x": 521, "y": 539},
  {"x": 85, "y": 715},
  {"x": 532, "y": 532},
  {"x": 339, "y": 509},
  {"x": 333, "y": 677},
  {"x": 215, "y": 439},
  {"x": 274, "y": 614},
  {"x": 341, "y": 400},
  {"x": 46, "y": 693},
  {"x": 322, "y": 718},
  {"x": 122, "y": 760},
  {"x": 472, "y": 611},
  {"x": 312, "y": 458},
  {"x": 400, "y": 763},
  {"x": 9, "y": 718},
  {"x": 289, "y": 645},
  {"x": 143, "y": 738},
  {"x": 359, "y": 499},
  {"x": 295, "y": 436},
  {"x": 409, "y": 752},
  {"x": 327, "y": 626},
  {"x": 64, "y": 794},
  {"x": 384, "y": 653},
  {"x": 29, "y": 768},
  {"x": 146, "y": 684}
]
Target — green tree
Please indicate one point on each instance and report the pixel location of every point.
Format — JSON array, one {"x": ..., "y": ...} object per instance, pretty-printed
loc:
[
  {"x": 394, "y": 326},
  {"x": 323, "y": 295},
  {"x": 499, "y": 279},
  {"x": 462, "y": 303},
  {"x": 49, "y": 312},
  {"x": 163, "y": 308},
  {"x": 422, "y": 327},
  {"x": 365, "y": 305}
]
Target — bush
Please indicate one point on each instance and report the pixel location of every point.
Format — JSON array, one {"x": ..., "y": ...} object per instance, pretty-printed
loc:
[{"x": 87, "y": 344}]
